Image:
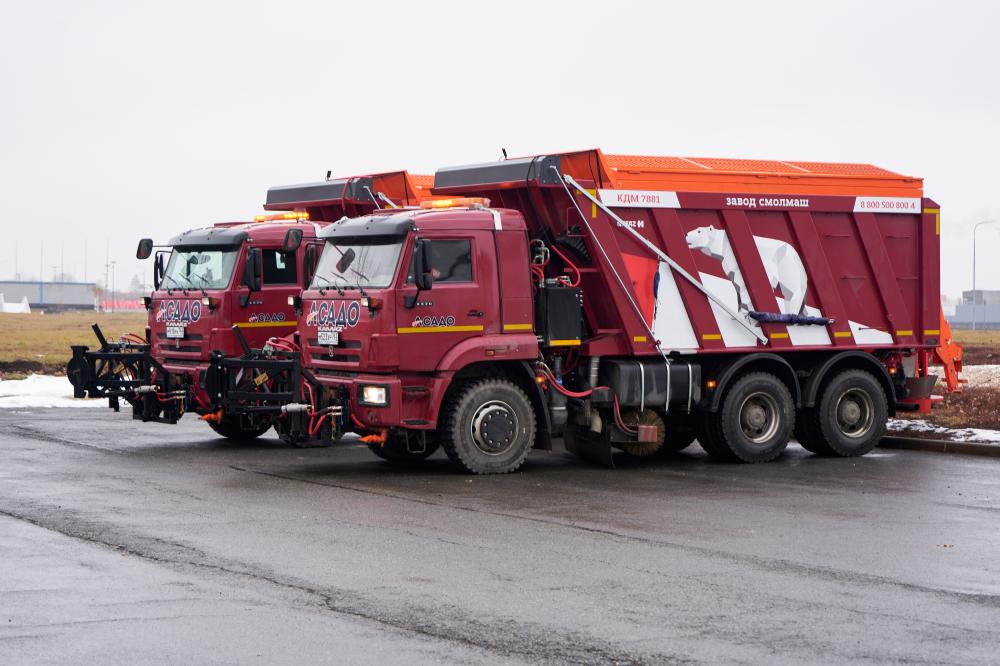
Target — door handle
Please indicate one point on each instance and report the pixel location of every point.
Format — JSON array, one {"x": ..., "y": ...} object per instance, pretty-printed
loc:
[{"x": 475, "y": 313}]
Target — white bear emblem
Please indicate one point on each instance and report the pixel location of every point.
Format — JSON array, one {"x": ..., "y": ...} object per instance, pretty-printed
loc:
[{"x": 782, "y": 264}]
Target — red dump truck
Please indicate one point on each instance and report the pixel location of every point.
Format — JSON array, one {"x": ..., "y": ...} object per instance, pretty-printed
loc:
[
  {"x": 220, "y": 291},
  {"x": 625, "y": 302}
]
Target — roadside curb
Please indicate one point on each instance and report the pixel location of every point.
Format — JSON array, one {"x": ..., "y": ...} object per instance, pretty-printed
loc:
[{"x": 941, "y": 446}]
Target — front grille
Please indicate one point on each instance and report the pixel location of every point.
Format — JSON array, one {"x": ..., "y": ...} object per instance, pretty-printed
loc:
[
  {"x": 190, "y": 349},
  {"x": 181, "y": 361},
  {"x": 335, "y": 373}
]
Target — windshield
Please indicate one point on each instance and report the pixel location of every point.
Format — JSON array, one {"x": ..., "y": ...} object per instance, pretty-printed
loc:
[
  {"x": 199, "y": 269},
  {"x": 369, "y": 262}
]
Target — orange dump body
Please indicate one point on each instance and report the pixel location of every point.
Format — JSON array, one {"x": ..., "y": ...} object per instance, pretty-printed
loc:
[
  {"x": 712, "y": 174},
  {"x": 404, "y": 188},
  {"x": 332, "y": 199}
]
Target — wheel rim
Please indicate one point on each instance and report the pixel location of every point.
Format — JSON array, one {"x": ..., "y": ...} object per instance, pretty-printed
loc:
[
  {"x": 759, "y": 417},
  {"x": 494, "y": 427},
  {"x": 855, "y": 411}
]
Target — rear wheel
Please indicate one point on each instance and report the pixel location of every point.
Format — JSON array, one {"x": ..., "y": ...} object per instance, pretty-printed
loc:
[
  {"x": 238, "y": 432},
  {"x": 489, "y": 427},
  {"x": 849, "y": 418},
  {"x": 754, "y": 421}
]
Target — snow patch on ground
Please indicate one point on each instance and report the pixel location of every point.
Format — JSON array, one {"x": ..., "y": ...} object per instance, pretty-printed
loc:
[
  {"x": 41, "y": 391},
  {"x": 987, "y": 376},
  {"x": 904, "y": 426}
]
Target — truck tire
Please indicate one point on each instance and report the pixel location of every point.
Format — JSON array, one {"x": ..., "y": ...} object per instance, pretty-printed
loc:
[
  {"x": 394, "y": 450},
  {"x": 681, "y": 433},
  {"x": 489, "y": 427},
  {"x": 232, "y": 429},
  {"x": 806, "y": 434},
  {"x": 754, "y": 421},
  {"x": 849, "y": 418}
]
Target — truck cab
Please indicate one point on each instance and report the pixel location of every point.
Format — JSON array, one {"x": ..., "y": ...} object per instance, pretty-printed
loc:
[
  {"x": 403, "y": 303},
  {"x": 220, "y": 284}
]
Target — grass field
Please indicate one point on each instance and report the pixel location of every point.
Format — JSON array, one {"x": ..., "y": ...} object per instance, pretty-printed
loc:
[
  {"x": 40, "y": 342},
  {"x": 982, "y": 338}
]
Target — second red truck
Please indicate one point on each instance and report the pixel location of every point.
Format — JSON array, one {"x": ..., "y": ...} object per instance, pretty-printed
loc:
[{"x": 625, "y": 302}]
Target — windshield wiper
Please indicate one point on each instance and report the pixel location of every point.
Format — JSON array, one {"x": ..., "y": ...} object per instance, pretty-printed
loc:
[
  {"x": 204, "y": 281},
  {"x": 179, "y": 285},
  {"x": 361, "y": 276},
  {"x": 322, "y": 291}
]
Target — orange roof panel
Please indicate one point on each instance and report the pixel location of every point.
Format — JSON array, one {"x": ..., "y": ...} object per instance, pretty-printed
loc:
[{"x": 714, "y": 174}]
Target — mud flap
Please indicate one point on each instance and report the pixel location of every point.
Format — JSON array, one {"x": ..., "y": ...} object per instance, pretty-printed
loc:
[{"x": 588, "y": 445}]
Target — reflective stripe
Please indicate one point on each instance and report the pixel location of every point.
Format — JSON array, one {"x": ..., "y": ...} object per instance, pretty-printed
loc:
[
  {"x": 439, "y": 329},
  {"x": 904, "y": 333},
  {"x": 264, "y": 324},
  {"x": 841, "y": 334},
  {"x": 936, "y": 212},
  {"x": 563, "y": 343},
  {"x": 517, "y": 327},
  {"x": 711, "y": 336},
  {"x": 932, "y": 331}
]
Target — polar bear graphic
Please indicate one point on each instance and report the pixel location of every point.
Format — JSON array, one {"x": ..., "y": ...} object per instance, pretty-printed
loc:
[{"x": 782, "y": 264}]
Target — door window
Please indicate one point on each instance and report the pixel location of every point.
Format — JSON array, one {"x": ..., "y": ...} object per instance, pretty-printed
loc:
[
  {"x": 451, "y": 261},
  {"x": 279, "y": 268}
]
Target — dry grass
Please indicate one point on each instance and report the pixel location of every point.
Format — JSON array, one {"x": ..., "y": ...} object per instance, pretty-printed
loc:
[
  {"x": 982, "y": 338},
  {"x": 40, "y": 342},
  {"x": 980, "y": 347},
  {"x": 977, "y": 407}
]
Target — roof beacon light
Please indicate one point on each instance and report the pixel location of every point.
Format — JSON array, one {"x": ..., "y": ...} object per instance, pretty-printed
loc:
[
  {"x": 294, "y": 215},
  {"x": 458, "y": 202}
]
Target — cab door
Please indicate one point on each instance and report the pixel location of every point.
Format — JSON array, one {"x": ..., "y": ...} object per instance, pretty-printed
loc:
[
  {"x": 462, "y": 303},
  {"x": 267, "y": 312}
]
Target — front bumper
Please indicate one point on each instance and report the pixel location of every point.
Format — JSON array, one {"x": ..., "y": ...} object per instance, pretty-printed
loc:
[{"x": 411, "y": 400}]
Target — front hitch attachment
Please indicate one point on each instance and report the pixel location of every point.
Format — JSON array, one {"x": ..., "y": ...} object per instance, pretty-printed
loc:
[{"x": 124, "y": 370}]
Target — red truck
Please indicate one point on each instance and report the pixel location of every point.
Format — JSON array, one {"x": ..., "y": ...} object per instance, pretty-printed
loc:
[
  {"x": 220, "y": 291},
  {"x": 625, "y": 302}
]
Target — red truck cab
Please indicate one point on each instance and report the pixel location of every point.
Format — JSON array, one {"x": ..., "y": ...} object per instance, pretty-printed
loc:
[{"x": 392, "y": 349}]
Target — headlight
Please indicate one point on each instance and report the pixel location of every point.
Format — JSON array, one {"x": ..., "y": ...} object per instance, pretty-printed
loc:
[{"x": 374, "y": 395}]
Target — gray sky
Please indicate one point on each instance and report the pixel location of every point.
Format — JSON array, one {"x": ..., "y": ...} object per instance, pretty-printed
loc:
[{"x": 121, "y": 120}]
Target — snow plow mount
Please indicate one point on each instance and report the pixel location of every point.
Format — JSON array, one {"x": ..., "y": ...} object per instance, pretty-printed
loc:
[{"x": 126, "y": 370}]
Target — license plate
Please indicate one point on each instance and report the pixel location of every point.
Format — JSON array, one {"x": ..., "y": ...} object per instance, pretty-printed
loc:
[
  {"x": 329, "y": 338},
  {"x": 175, "y": 332}
]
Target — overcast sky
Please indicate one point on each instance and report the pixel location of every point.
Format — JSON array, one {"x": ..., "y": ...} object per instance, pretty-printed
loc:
[{"x": 122, "y": 120}]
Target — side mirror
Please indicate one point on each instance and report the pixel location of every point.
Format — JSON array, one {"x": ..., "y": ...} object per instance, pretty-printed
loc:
[
  {"x": 309, "y": 260},
  {"x": 145, "y": 248},
  {"x": 346, "y": 260},
  {"x": 158, "y": 270},
  {"x": 252, "y": 269},
  {"x": 293, "y": 239},
  {"x": 422, "y": 275}
]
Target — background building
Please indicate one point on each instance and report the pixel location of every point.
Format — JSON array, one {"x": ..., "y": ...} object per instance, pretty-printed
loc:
[
  {"x": 51, "y": 295},
  {"x": 978, "y": 309}
]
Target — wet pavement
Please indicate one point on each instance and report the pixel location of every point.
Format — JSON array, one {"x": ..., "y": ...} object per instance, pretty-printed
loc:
[{"x": 123, "y": 542}]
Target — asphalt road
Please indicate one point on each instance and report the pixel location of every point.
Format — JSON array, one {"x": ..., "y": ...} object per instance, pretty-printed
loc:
[{"x": 123, "y": 542}]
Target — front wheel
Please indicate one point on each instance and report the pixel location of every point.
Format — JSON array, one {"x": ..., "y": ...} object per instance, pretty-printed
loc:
[
  {"x": 489, "y": 427},
  {"x": 238, "y": 432}
]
